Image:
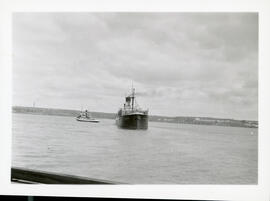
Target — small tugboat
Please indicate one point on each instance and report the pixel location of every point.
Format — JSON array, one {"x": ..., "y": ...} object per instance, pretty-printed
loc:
[
  {"x": 86, "y": 117},
  {"x": 131, "y": 116}
]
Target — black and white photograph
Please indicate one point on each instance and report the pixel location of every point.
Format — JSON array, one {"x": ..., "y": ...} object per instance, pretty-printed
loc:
[{"x": 135, "y": 98}]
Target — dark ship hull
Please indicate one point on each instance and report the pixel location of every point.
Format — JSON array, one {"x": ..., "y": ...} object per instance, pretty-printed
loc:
[{"x": 132, "y": 121}]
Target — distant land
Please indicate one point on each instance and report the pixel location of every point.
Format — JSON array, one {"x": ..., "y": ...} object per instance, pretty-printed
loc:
[{"x": 178, "y": 119}]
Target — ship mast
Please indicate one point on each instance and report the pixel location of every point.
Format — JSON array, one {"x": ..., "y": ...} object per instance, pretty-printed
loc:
[{"x": 132, "y": 97}]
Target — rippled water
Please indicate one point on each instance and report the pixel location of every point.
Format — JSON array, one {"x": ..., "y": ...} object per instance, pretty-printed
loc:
[{"x": 166, "y": 153}]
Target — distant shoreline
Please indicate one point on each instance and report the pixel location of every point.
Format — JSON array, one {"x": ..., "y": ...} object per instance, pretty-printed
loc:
[{"x": 155, "y": 118}]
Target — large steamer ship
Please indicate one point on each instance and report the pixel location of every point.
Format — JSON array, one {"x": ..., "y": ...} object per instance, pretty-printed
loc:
[{"x": 131, "y": 116}]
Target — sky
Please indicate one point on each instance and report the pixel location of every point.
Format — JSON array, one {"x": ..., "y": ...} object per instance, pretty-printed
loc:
[{"x": 181, "y": 64}]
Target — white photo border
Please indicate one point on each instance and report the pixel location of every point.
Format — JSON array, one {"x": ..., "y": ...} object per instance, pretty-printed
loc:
[{"x": 199, "y": 192}]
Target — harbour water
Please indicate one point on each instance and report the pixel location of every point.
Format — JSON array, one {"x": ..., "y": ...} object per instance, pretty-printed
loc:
[{"x": 166, "y": 153}]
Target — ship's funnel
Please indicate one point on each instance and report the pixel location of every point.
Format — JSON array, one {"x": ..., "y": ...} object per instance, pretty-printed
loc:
[{"x": 128, "y": 100}]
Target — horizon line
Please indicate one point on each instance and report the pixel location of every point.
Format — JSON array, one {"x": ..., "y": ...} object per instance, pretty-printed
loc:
[{"x": 149, "y": 115}]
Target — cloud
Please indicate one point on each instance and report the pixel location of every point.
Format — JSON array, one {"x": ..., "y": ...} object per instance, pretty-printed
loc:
[{"x": 198, "y": 63}]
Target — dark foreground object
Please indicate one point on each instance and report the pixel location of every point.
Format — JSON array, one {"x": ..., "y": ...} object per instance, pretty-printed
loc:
[{"x": 21, "y": 175}]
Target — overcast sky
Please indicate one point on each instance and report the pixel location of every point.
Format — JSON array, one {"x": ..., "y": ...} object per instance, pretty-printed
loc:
[{"x": 181, "y": 64}]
